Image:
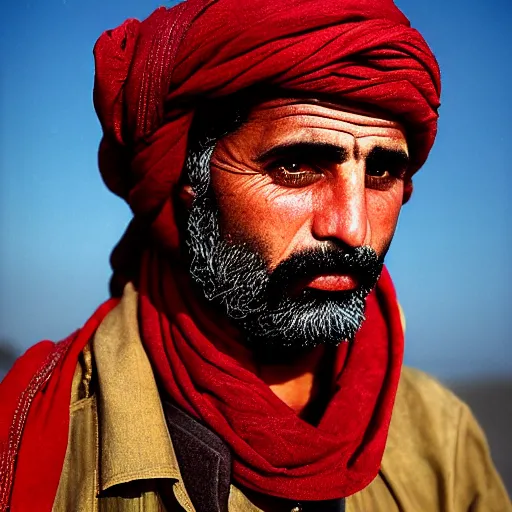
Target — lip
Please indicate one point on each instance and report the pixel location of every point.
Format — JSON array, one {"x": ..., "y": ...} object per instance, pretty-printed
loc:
[{"x": 333, "y": 282}]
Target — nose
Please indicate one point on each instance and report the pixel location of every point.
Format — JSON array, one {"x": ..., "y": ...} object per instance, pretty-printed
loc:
[{"x": 340, "y": 211}]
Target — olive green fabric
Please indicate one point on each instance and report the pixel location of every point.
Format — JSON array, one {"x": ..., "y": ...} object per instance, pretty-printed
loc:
[{"x": 120, "y": 454}]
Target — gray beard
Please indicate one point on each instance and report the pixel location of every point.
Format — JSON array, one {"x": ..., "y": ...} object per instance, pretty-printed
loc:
[{"x": 235, "y": 278}]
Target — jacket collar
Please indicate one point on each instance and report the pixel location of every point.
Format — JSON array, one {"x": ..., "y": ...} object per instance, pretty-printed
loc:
[
  {"x": 130, "y": 414},
  {"x": 134, "y": 441}
]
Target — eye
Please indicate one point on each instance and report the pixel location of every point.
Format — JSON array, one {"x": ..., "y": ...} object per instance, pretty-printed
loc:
[
  {"x": 293, "y": 174},
  {"x": 378, "y": 173},
  {"x": 382, "y": 176}
]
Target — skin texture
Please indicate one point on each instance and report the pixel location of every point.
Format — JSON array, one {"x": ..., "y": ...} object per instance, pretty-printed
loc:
[
  {"x": 338, "y": 206},
  {"x": 328, "y": 185}
]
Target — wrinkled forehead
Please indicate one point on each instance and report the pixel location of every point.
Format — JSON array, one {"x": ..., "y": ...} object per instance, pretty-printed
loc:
[
  {"x": 297, "y": 102},
  {"x": 279, "y": 111},
  {"x": 312, "y": 120}
]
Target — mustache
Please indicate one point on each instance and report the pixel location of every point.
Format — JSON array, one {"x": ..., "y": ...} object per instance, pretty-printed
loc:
[{"x": 363, "y": 262}]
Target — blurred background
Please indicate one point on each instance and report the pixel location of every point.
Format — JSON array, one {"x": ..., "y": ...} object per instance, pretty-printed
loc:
[{"x": 451, "y": 255}]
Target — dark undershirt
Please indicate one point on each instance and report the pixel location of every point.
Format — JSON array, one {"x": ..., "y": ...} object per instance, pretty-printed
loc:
[{"x": 205, "y": 466}]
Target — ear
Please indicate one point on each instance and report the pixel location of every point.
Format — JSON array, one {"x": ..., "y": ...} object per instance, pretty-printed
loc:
[
  {"x": 408, "y": 187},
  {"x": 186, "y": 196}
]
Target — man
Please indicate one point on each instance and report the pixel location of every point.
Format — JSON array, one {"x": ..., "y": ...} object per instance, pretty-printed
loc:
[{"x": 251, "y": 354}]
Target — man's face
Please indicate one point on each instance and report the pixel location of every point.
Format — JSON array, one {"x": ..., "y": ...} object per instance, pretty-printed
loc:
[
  {"x": 294, "y": 212},
  {"x": 298, "y": 175}
]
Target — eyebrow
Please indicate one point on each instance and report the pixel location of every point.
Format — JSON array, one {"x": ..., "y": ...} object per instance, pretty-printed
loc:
[
  {"x": 393, "y": 157},
  {"x": 389, "y": 157},
  {"x": 310, "y": 150}
]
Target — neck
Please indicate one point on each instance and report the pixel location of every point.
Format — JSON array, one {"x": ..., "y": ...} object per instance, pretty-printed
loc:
[{"x": 304, "y": 385}]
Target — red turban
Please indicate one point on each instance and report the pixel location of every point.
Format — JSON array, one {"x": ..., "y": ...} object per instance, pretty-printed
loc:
[{"x": 150, "y": 76}]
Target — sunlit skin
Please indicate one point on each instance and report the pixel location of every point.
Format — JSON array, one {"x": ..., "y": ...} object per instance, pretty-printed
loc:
[{"x": 297, "y": 175}]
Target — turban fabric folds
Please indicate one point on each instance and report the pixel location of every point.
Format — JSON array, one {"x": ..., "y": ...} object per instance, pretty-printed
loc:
[{"x": 150, "y": 76}]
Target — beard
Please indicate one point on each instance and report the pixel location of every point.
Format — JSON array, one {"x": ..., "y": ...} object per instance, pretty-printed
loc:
[{"x": 278, "y": 318}]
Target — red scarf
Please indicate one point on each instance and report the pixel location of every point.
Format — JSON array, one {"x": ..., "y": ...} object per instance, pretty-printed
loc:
[{"x": 274, "y": 451}]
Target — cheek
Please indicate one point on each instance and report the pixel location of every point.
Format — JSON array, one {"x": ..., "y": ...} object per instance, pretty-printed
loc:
[
  {"x": 254, "y": 210},
  {"x": 383, "y": 209}
]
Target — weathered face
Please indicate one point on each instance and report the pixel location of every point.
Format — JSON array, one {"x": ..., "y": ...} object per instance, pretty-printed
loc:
[
  {"x": 298, "y": 174},
  {"x": 292, "y": 216}
]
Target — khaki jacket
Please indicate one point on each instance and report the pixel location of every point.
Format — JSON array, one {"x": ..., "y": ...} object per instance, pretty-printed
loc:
[{"x": 436, "y": 457}]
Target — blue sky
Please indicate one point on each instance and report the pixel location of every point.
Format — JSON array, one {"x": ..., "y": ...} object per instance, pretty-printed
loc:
[{"x": 451, "y": 255}]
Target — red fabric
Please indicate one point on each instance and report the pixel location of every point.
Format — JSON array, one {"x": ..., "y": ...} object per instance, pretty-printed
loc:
[
  {"x": 151, "y": 74},
  {"x": 150, "y": 77},
  {"x": 275, "y": 452},
  {"x": 34, "y": 419}
]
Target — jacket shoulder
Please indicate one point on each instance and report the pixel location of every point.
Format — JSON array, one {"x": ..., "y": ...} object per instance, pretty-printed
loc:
[
  {"x": 426, "y": 407},
  {"x": 424, "y": 430},
  {"x": 437, "y": 457}
]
